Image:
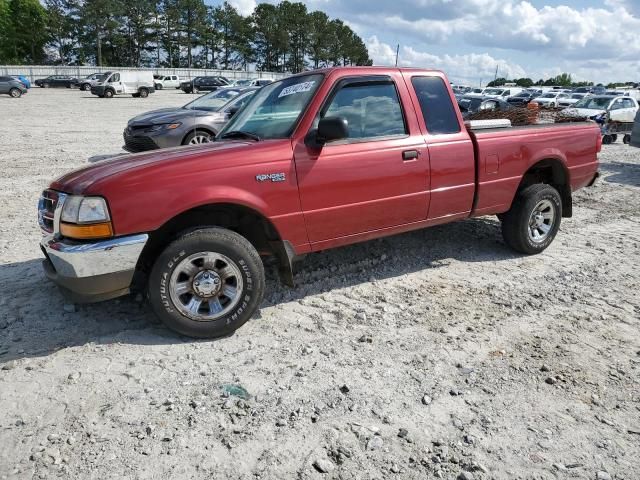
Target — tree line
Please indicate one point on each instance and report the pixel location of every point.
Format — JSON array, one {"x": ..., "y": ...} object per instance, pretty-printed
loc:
[
  {"x": 175, "y": 33},
  {"x": 562, "y": 80}
]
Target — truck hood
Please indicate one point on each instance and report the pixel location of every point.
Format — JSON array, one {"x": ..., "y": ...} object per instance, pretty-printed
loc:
[
  {"x": 79, "y": 181},
  {"x": 167, "y": 115}
]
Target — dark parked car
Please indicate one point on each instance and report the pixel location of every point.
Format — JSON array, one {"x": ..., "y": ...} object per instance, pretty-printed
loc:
[
  {"x": 470, "y": 105},
  {"x": 522, "y": 99},
  {"x": 197, "y": 122},
  {"x": 56, "y": 81},
  {"x": 90, "y": 80},
  {"x": 12, "y": 87},
  {"x": 635, "y": 135},
  {"x": 204, "y": 84}
]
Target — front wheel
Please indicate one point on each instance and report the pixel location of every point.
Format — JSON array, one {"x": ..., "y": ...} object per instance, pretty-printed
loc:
[
  {"x": 626, "y": 139},
  {"x": 207, "y": 283},
  {"x": 533, "y": 220},
  {"x": 86, "y": 87},
  {"x": 108, "y": 94},
  {"x": 197, "y": 137},
  {"x": 15, "y": 93}
]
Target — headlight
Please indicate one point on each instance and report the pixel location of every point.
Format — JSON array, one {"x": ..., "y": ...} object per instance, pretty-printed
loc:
[
  {"x": 165, "y": 126},
  {"x": 85, "y": 217},
  {"x": 85, "y": 210}
]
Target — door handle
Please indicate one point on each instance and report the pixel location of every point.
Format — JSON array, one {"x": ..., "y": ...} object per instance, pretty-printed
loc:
[{"x": 410, "y": 155}]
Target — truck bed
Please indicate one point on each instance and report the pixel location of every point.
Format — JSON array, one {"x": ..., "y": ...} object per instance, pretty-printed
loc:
[{"x": 504, "y": 153}]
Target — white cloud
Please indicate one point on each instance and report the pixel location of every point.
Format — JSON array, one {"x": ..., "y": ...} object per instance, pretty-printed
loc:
[
  {"x": 244, "y": 7},
  {"x": 467, "y": 68},
  {"x": 560, "y": 38}
]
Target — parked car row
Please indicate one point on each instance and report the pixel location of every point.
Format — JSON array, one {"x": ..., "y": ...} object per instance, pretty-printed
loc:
[{"x": 136, "y": 83}]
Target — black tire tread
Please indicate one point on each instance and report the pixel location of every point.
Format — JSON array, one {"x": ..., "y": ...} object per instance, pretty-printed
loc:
[
  {"x": 205, "y": 234},
  {"x": 512, "y": 230}
]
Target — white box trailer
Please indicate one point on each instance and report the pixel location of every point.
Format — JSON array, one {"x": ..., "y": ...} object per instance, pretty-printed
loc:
[{"x": 125, "y": 82}]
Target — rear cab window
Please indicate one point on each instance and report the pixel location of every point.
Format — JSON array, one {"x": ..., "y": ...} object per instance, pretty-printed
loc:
[{"x": 437, "y": 108}]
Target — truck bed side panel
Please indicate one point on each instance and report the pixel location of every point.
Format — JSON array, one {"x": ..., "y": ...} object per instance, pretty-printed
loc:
[{"x": 505, "y": 155}]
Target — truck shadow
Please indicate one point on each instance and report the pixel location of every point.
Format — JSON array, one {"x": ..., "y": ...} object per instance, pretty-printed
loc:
[
  {"x": 35, "y": 320},
  {"x": 622, "y": 173}
]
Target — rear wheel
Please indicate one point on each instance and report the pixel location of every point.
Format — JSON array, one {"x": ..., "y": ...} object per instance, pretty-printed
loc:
[
  {"x": 15, "y": 92},
  {"x": 533, "y": 220},
  {"x": 143, "y": 93},
  {"x": 614, "y": 138},
  {"x": 626, "y": 139},
  {"x": 198, "y": 137},
  {"x": 207, "y": 283}
]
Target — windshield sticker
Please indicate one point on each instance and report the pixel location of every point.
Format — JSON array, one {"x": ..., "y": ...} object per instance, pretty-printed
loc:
[{"x": 297, "y": 88}]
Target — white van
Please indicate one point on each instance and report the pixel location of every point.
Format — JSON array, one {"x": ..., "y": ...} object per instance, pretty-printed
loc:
[
  {"x": 134, "y": 83},
  {"x": 502, "y": 92}
]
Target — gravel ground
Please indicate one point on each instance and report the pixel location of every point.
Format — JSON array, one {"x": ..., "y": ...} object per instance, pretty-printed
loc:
[{"x": 434, "y": 354}]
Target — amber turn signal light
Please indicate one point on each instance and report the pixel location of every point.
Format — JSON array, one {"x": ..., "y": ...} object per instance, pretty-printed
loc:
[{"x": 84, "y": 232}]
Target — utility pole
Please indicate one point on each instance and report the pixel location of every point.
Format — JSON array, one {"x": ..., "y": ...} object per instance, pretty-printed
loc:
[
  {"x": 496, "y": 77},
  {"x": 397, "y": 52}
]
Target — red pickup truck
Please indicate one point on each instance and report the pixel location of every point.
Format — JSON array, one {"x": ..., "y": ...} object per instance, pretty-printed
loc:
[{"x": 314, "y": 161}]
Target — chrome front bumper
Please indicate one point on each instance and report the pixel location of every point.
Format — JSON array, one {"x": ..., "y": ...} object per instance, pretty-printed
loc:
[{"x": 93, "y": 271}]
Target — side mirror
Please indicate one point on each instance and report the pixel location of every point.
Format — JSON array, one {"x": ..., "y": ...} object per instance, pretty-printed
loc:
[
  {"x": 332, "y": 128},
  {"x": 232, "y": 111}
]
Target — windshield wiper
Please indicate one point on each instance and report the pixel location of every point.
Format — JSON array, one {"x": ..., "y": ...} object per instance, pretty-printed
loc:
[{"x": 240, "y": 134}]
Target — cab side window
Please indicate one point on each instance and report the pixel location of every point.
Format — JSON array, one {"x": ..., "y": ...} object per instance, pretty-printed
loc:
[
  {"x": 372, "y": 109},
  {"x": 435, "y": 103},
  {"x": 115, "y": 78}
]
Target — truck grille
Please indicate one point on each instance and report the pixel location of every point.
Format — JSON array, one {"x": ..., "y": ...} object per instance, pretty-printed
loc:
[{"x": 46, "y": 209}]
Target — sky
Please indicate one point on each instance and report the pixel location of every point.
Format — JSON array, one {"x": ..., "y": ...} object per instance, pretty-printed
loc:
[{"x": 593, "y": 40}]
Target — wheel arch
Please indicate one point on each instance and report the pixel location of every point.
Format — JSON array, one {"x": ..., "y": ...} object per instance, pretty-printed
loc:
[
  {"x": 247, "y": 221},
  {"x": 553, "y": 171},
  {"x": 205, "y": 128}
]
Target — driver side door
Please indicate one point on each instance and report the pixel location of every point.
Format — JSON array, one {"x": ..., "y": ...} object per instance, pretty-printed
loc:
[{"x": 377, "y": 177}]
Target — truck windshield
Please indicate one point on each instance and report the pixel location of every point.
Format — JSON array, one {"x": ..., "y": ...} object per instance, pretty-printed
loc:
[{"x": 275, "y": 109}]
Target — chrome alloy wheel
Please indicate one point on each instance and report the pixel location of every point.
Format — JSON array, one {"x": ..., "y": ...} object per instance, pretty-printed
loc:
[
  {"x": 200, "y": 138},
  {"x": 541, "y": 221},
  {"x": 205, "y": 286}
]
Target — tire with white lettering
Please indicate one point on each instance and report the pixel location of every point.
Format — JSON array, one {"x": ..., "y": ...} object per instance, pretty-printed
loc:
[
  {"x": 207, "y": 283},
  {"x": 533, "y": 220}
]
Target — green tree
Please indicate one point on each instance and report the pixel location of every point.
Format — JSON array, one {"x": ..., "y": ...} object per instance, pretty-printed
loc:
[
  {"x": 61, "y": 30},
  {"x": 319, "y": 35},
  {"x": 25, "y": 35},
  {"x": 5, "y": 31},
  {"x": 524, "y": 82},
  {"x": 267, "y": 36}
]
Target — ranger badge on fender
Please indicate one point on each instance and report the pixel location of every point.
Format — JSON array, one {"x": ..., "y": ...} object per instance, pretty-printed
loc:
[{"x": 274, "y": 177}]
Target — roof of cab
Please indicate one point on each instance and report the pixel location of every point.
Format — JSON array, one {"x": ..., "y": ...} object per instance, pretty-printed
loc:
[{"x": 369, "y": 69}]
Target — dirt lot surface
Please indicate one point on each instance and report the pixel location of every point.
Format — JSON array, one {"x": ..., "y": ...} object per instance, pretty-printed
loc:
[{"x": 434, "y": 354}]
